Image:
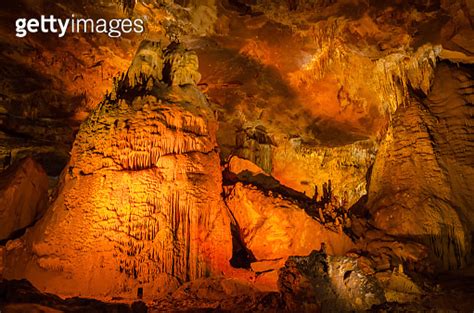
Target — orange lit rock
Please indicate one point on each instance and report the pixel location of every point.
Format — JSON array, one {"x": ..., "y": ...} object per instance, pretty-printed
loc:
[
  {"x": 303, "y": 168},
  {"x": 241, "y": 166},
  {"x": 327, "y": 102},
  {"x": 273, "y": 228},
  {"x": 139, "y": 204},
  {"x": 23, "y": 196},
  {"x": 420, "y": 184}
]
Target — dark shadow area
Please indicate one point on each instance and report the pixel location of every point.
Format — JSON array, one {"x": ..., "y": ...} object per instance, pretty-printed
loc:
[
  {"x": 47, "y": 130},
  {"x": 18, "y": 233},
  {"x": 29, "y": 93},
  {"x": 331, "y": 133},
  {"x": 241, "y": 256},
  {"x": 52, "y": 158},
  {"x": 23, "y": 296}
]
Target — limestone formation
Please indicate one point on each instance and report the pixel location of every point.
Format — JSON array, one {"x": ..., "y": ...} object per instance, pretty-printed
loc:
[
  {"x": 240, "y": 166},
  {"x": 139, "y": 204},
  {"x": 273, "y": 228},
  {"x": 419, "y": 185},
  {"x": 321, "y": 283},
  {"x": 23, "y": 196},
  {"x": 256, "y": 146},
  {"x": 183, "y": 66},
  {"x": 242, "y": 134},
  {"x": 399, "y": 287},
  {"x": 303, "y": 168},
  {"x": 148, "y": 63}
]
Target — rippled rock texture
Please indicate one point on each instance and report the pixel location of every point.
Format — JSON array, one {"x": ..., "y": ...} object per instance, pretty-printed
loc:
[
  {"x": 139, "y": 204},
  {"x": 420, "y": 185}
]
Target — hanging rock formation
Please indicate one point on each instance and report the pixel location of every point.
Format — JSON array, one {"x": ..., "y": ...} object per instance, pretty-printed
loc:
[
  {"x": 255, "y": 145},
  {"x": 139, "y": 204}
]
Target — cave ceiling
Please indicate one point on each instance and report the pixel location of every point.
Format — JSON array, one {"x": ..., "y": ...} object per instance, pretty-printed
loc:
[{"x": 315, "y": 74}]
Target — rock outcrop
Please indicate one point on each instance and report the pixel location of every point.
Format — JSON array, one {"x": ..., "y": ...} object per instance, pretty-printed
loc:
[
  {"x": 273, "y": 228},
  {"x": 23, "y": 196},
  {"x": 139, "y": 207},
  {"x": 268, "y": 222},
  {"x": 321, "y": 283},
  {"x": 419, "y": 187}
]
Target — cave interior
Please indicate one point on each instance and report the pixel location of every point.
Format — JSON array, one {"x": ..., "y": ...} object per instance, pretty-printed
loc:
[{"x": 238, "y": 156}]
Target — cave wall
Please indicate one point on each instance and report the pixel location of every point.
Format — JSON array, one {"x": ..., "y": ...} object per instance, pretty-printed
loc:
[{"x": 419, "y": 187}]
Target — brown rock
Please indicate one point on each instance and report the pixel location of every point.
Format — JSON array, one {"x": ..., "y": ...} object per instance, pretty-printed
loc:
[
  {"x": 17, "y": 296},
  {"x": 218, "y": 294},
  {"x": 217, "y": 288},
  {"x": 321, "y": 283},
  {"x": 23, "y": 196},
  {"x": 400, "y": 288},
  {"x": 2, "y": 261}
]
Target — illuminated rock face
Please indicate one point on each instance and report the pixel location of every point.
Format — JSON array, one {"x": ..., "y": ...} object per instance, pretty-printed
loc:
[
  {"x": 139, "y": 205},
  {"x": 267, "y": 224},
  {"x": 420, "y": 185},
  {"x": 273, "y": 228},
  {"x": 23, "y": 196},
  {"x": 303, "y": 168}
]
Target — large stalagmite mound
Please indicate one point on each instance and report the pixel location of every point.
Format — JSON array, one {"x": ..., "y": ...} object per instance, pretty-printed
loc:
[{"x": 139, "y": 206}]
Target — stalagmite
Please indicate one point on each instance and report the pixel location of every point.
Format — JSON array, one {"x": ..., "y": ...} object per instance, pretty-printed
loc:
[{"x": 133, "y": 200}]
